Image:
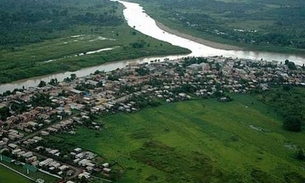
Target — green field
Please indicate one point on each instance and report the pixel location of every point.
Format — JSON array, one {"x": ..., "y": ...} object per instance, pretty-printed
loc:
[
  {"x": 28, "y": 54},
  {"x": 198, "y": 141},
  {"x": 10, "y": 176},
  {"x": 7, "y": 175},
  {"x": 30, "y": 60}
]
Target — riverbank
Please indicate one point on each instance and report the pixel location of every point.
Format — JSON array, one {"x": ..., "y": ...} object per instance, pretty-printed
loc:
[
  {"x": 198, "y": 40},
  {"x": 148, "y": 26},
  {"x": 213, "y": 26},
  {"x": 60, "y": 76},
  {"x": 220, "y": 43}
]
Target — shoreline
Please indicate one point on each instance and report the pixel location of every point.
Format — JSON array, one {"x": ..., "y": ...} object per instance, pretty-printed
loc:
[
  {"x": 28, "y": 82},
  {"x": 199, "y": 40}
]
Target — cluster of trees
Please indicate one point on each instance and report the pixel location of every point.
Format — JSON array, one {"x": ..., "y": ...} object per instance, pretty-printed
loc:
[
  {"x": 193, "y": 60},
  {"x": 84, "y": 87},
  {"x": 4, "y": 113},
  {"x": 145, "y": 101},
  {"x": 139, "y": 44},
  {"x": 15, "y": 107},
  {"x": 113, "y": 77},
  {"x": 290, "y": 65},
  {"x": 185, "y": 88},
  {"x": 97, "y": 19},
  {"x": 42, "y": 84},
  {"x": 293, "y": 123},
  {"x": 53, "y": 82},
  {"x": 289, "y": 103},
  {"x": 43, "y": 100},
  {"x": 126, "y": 88},
  {"x": 24, "y": 22},
  {"x": 142, "y": 71},
  {"x": 71, "y": 78}
]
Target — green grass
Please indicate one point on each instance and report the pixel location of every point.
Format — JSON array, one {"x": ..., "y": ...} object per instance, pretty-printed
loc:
[
  {"x": 11, "y": 176},
  {"x": 7, "y": 175},
  {"x": 198, "y": 141},
  {"x": 29, "y": 60}
]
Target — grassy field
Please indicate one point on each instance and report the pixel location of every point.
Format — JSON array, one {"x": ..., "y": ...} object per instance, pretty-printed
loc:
[
  {"x": 10, "y": 176},
  {"x": 7, "y": 175},
  {"x": 199, "y": 141},
  {"x": 31, "y": 60}
]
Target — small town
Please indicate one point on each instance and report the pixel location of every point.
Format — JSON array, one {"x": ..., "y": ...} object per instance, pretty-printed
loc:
[{"x": 29, "y": 117}]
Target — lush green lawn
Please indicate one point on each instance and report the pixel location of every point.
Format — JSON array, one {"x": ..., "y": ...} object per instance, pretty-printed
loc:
[
  {"x": 199, "y": 141},
  {"x": 7, "y": 175}
]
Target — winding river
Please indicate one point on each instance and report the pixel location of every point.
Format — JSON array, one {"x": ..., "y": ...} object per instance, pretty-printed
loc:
[{"x": 137, "y": 18}]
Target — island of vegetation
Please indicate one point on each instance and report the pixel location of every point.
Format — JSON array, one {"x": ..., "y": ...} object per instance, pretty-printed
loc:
[
  {"x": 211, "y": 119},
  {"x": 265, "y": 25},
  {"x": 44, "y": 37}
]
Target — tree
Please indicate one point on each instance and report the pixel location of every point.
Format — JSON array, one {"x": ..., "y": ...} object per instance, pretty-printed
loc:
[
  {"x": 6, "y": 153},
  {"x": 293, "y": 123},
  {"x": 54, "y": 82},
  {"x": 4, "y": 113},
  {"x": 83, "y": 180},
  {"x": 218, "y": 66},
  {"x": 73, "y": 76},
  {"x": 41, "y": 99},
  {"x": 291, "y": 66},
  {"x": 42, "y": 84}
]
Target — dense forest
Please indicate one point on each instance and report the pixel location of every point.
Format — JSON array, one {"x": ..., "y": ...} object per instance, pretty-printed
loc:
[
  {"x": 31, "y": 21},
  {"x": 252, "y": 22}
]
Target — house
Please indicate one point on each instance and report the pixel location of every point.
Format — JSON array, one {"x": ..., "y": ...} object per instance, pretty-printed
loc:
[
  {"x": 12, "y": 146},
  {"x": 44, "y": 133},
  {"x": 107, "y": 170},
  {"x": 105, "y": 165},
  {"x": 45, "y": 162},
  {"x": 27, "y": 155},
  {"x": 84, "y": 162},
  {"x": 77, "y": 92},
  {"x": 15, "y": 151},
  {"x": 63, "y": 167},
  {"x": 78, "y": 150},
  {"x": 84, "y": 174}
]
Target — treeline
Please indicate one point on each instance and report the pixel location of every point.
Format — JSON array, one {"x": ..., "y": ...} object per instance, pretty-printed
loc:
[
  {"x": 280, "y": 23},
  {"x": 24, "y": 21}
]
